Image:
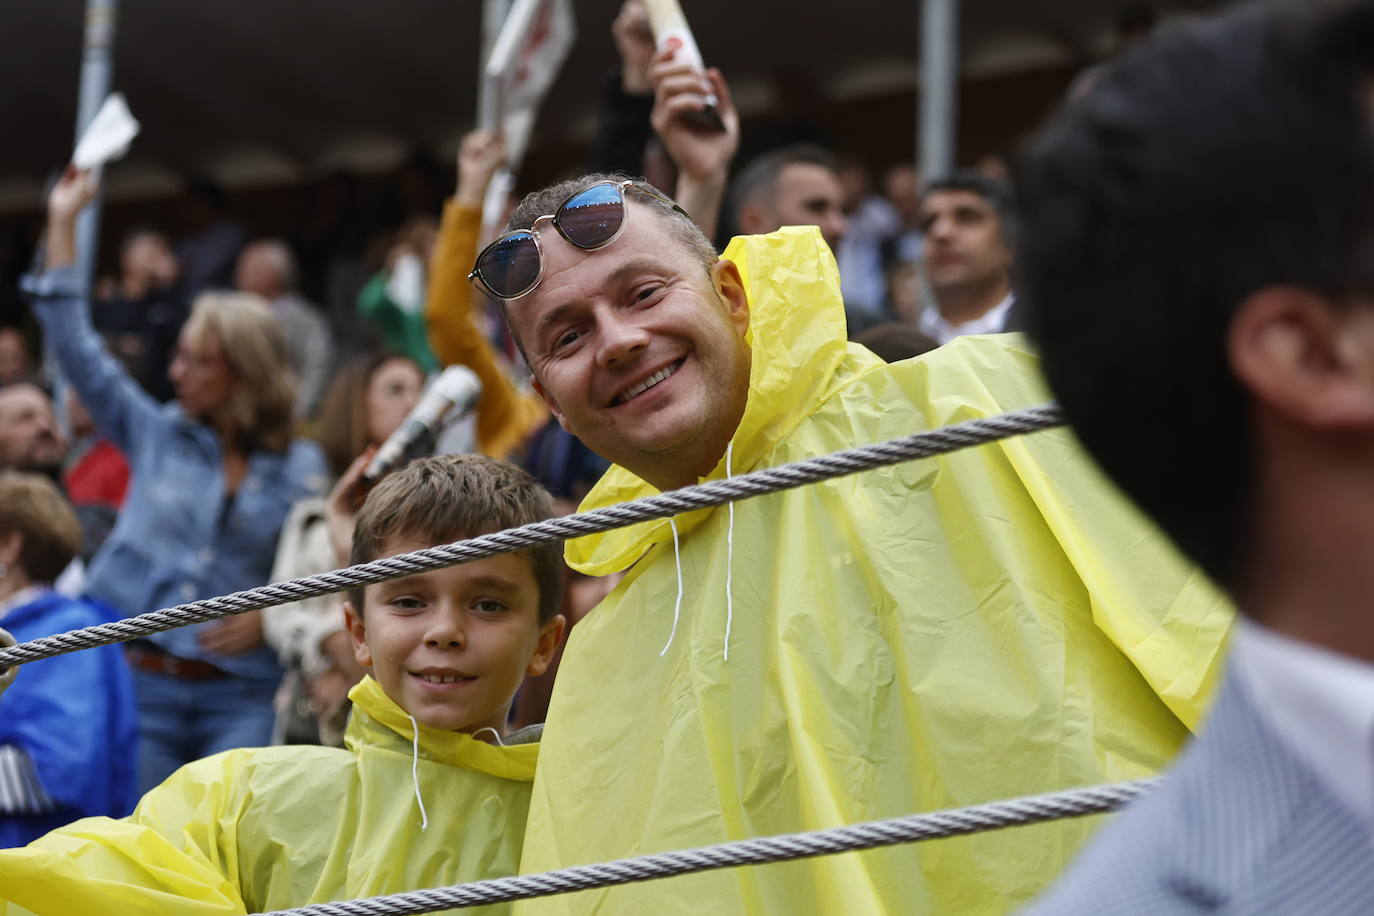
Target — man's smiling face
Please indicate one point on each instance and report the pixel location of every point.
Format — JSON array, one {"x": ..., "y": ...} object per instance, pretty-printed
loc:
[{"x": 638, "y": 348}]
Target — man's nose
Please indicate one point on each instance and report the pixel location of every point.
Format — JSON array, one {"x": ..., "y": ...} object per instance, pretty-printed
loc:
[{"x": 619, "y": 340}]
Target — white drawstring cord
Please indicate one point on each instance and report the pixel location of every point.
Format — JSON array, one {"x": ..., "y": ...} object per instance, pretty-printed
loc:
[
  {"x": 494, "y": 733},
  {"x": 729, "y": 558},
  {"x": 677, "y": 605},
  {"x": 415, "y": 770}
]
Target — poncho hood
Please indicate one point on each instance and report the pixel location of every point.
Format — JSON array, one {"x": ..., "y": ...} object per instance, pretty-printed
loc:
[
  {"x": 377, "y": 721},
  {"x": 797, "y": 335}
]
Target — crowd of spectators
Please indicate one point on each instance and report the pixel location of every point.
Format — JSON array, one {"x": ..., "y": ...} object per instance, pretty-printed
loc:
[{"x": 207, "y": 411}]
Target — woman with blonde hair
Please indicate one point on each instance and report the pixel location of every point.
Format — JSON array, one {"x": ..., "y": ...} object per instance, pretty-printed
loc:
[{"x": 214, "y": 474}]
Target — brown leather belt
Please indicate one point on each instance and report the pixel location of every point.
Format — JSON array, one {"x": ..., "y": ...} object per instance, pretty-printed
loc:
[{"x": 146, "y": 657}]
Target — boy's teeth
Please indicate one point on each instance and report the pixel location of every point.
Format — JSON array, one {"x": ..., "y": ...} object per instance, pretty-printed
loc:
[
  {"x": 648, "y": 383},
  {"x": 442, "y": 679}
]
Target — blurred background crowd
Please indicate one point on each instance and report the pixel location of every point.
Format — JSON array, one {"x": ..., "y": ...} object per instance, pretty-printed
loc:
[{"x": 276, "y": 291}]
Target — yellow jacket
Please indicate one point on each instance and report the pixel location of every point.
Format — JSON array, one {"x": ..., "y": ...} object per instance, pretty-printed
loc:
[
  {"x": 506, "y": 416},
  {"x": 270, "y": 828},
  {"x": 944, "y": 632}
]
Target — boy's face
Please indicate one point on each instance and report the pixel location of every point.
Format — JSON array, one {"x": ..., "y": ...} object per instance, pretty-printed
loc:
[{"x": 451, "y": 646}]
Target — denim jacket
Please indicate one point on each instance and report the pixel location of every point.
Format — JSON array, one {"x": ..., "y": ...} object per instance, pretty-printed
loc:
[{"x": 177, "y": 539}]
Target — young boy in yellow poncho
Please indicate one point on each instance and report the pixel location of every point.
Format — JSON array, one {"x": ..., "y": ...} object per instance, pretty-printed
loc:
[{"x": 430, "y": 790}]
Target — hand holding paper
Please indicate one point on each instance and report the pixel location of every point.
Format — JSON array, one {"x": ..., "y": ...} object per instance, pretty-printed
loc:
[{"x": 108, "y": 135}]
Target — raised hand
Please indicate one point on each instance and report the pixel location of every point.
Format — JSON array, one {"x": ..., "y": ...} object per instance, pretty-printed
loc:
[
  {"x": 700, "y": 151},
  {"x": 73, "y": 191},
  {"x": 635, "y": 42},
  {"x": 480, "y": 156}
]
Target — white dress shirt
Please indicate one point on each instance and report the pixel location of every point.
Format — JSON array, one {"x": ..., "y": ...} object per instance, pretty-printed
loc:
[
  {"x": 934, "y": 325},
  {"x": 1321, "y": 703}
]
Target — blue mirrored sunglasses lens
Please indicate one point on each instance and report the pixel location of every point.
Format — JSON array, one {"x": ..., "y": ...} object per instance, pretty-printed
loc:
[
  {"x": 510, "y": 266},
  {"x": 591, "y": 218}
]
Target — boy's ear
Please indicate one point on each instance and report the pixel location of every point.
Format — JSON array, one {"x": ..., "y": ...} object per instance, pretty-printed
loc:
[
  {"x": 357, "y": 632},
  {"x": 550, "y": 635}
]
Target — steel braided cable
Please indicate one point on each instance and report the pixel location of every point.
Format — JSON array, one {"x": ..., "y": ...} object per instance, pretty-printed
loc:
[
  {"x": 701, "y": 496},
  {"x": 758, "y": 851},
  {"x": 7, "y": 674}
]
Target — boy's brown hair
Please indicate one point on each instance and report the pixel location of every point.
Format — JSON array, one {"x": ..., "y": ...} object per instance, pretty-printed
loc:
[
  {"x": 452, "y": 497},
  {"x": 33, "y": 506}
]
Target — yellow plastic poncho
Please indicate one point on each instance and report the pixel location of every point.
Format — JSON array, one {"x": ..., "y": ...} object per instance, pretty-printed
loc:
[
  {"x": 944, "y": 632},
  {"x": 272, "y": 828}
]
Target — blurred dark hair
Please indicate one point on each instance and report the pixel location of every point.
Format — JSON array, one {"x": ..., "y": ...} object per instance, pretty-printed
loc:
[
  {"x": 895, "y": 341},
  {"x": 1210, "y": 162},
  {"x": 759, "y": 178},
  {"x": 997, "y": 193}
]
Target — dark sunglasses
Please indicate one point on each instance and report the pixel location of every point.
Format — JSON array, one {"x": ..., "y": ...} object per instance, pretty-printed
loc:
[{"x": 513, "y": 265}]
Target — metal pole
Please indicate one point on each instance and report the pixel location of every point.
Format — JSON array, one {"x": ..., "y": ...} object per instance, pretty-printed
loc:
[
  {"x": 96, "y": 66},
  {"x": 493, "y": 16},
  {"x": 935, "y": 134}
]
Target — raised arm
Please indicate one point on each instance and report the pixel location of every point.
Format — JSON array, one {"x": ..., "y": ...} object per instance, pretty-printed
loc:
[
  {"x": 119, "y": 407},
  {"x": 504, "y": 416},
  {"x": 701, "y": 153}
]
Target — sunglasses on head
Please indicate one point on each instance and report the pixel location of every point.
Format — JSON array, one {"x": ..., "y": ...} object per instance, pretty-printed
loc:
[{"x": 513, "y": 265}]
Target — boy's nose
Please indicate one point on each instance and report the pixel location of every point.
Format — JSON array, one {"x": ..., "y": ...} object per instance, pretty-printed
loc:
[{"x": 446, "y": 630}]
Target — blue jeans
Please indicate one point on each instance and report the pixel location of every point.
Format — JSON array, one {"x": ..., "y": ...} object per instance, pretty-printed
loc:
[{"x": 181, "y": 720}]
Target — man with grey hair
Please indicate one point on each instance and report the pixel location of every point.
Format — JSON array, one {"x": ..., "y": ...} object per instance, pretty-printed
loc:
[
  {"x": 267, "y": 267},
  {"x": 986, "y": 624}
]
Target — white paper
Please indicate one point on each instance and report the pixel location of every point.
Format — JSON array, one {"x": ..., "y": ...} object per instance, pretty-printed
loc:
[
  {"x": 406, "y": 287},
  {"x": 534, "y": 40},
  {"x": 108, "y": 135}
]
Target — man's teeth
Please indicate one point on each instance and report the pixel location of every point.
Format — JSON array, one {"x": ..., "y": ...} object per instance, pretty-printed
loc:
[
  {"x": 648, "y": 383},
  {"x": 443, "y": 678}
]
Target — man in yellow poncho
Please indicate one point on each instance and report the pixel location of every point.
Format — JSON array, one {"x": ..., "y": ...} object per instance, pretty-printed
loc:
[
  {"x": 416, "y": 800},
  {"x": 944, "y": 632}
]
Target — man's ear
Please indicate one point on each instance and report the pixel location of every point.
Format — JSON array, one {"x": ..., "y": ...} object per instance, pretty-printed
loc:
[
  {"x": 730, "y": 286},
  {"x": 549, "y": 402},
  {"x": 550, "y": 635},
  {"x": 1305, "y": 358},
  {"x": 11, "y": 548},
  {"x": 357, "y": 632}
]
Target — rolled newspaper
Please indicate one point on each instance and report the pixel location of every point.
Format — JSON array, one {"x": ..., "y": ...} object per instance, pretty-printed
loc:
[{"x": 670, "y": 27}]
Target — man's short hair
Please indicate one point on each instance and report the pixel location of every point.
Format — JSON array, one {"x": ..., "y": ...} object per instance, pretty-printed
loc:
[
  {"x": 758, "y": 180},
  {"x": 545, "y": 201},
  {"x": 31, "y": 505},
  {"x": 998, "y": 195},
  {"x": 1210, "y": 162},
  {"x": 452, "y": 497}
]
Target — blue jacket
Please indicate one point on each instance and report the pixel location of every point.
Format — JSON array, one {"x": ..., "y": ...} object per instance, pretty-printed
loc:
[
  {"x": 177, "y": 540},
  {"x": 73, "y": 715}
]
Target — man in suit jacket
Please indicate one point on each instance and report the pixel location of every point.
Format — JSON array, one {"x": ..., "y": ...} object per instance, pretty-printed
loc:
[{"x": 1197, "y": 264}]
